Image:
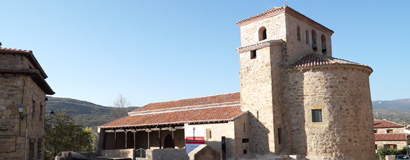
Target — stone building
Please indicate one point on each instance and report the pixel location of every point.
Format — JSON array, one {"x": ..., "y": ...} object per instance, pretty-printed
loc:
[
  {"x": 295, "y": 99},
  {"x": 389, "y": 134},
  {"x": 23, "y": 92}
]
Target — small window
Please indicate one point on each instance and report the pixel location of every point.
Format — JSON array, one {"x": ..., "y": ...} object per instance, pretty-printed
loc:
[
  {"x": 389, "y": 131},
  {"x": 307, "y": 37},
  {"x": 257, "y": 114},
  {"x": 262, "y": 34},
  {"x": 245, "y": 140},
  {"x": 392, "y": 146},
  {"x": 314, "y": 42},
  {"x": 316, "y": 115},
  {"x": 245, "y": 151},
  {"x": 39, "y": 147},
  {"x": 375, "y": 146},
  {"x": 375, "y": 131},
  {"x": 299, "y": 36},
  {"x": 41, "y": 112},
  {"x": 208, "y": 134},
  {"x": 253, "y": 54},
  {"x": 244, "y": 127},
  {"x": 323, "y": 39}
]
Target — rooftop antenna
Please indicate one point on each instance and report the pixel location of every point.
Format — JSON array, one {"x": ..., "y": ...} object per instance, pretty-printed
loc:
[{"x": 287, "y": 3}]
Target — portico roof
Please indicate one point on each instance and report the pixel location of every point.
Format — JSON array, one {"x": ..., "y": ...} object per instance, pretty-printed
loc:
[{"x": 209, "y": 109}]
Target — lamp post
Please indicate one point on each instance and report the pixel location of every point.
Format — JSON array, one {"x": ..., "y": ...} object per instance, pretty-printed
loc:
[{"x": 20, "y": 108}]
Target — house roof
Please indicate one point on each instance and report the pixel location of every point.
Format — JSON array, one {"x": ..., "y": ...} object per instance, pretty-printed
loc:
[
  {"x": 390, "y": 137},
  {"x": 314, "y": 60},
  {"x": 209, "y": 109},
  {"x": 37, "y": 74},
  {"x": 377, "y": 123}
]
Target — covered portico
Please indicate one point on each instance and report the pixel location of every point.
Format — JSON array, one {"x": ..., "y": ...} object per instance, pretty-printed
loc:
[{"x": 142, "y": 137}]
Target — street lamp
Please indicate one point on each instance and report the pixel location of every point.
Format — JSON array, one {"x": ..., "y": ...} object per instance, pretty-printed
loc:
[
  {"x": 52, "y": 113},
  {"x": 20, "y": 108}
]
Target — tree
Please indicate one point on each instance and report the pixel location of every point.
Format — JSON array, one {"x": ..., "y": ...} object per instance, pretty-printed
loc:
[
  {"x": 121, "y": 107},
  {"x": 63, "y": 134}
]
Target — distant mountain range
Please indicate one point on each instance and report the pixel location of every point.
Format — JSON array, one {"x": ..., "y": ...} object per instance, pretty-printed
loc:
[
  {"x": 394, "y": 110},
  {"x": 94, "y": 115},
  {"x": 86, "y": 113}
]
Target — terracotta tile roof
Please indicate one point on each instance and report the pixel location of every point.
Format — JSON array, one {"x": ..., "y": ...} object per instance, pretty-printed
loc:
[
  {"x": 227, "y": 98},
  {"x": 377, "y": 123},
  {"x": 207, "y": 115},
  {"x": 278, "y": 10},
  {"x": 313, "y": 60},
  {"x": 390, "y": 137}
]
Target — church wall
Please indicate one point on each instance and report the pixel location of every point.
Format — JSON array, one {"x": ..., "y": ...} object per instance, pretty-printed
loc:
[
  {"x": 297, "y": 48},
  {"x": 218, "y": 130},
  {"x": 343, "y": 94},
  {"x": 256, "y": 96},
  {"x": 275, "y": 28},
  {"x": 241, "y": 136}
]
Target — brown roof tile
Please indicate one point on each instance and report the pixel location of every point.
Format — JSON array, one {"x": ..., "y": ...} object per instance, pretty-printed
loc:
[
  {"x": 314, "y": 60},
  {"x": 207, "y": 115},
  {"x": 216, "y": 99},
  {"x": 390, "y": 137},
  {"x": 377, "y": 123}
]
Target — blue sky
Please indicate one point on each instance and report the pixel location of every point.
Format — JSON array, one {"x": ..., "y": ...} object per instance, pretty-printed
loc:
[{"x": 151, "y": 51}]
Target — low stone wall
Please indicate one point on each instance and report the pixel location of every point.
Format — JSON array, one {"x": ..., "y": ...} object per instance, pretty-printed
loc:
[
  {"x": 120, "y": 153},
  {"x": 166, "y": 154},
  {"x": 204, "y": 152}
]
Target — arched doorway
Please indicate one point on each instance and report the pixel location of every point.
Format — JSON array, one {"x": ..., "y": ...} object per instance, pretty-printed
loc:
[{"x": 168, "y": 142}]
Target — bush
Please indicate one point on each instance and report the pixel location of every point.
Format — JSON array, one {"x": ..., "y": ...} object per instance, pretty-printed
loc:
[{"x": 381, "y": 153}]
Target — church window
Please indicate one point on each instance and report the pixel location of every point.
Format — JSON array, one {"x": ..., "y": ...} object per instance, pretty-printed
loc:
[
  {"x": 323, "y": 39},
  {"x": 262, "y": 34},
  {"x": 253, "y": 54},
  {"x": 245, "y": 140},
  {"x": 307, "y": 37},
  {"x": 314, "y": 42},
  {"x": 244, "y": 127},
  {"x": 245, "y": 151},
  {"x": 316, "y": 115},
  {"x": 257, "y": 114},
  {"x": 299, "y": 36}
]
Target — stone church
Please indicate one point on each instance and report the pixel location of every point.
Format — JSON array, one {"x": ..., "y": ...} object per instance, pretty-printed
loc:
[{"x": 295, "y": 99}]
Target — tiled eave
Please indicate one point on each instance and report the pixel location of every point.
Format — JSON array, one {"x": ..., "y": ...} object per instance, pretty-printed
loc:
[
  {"x": 35, "y": 75},
  {"x": 390, "y": 137},
  {"x": 259, "y": 45},
  {"x": 314, "y": 60},
  {"x": 284, "y": 9},
  {"x": 30, "y": 56}
]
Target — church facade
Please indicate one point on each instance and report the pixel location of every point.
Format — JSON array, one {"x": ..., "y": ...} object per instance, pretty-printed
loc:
[{"x": 295, "y": 99}]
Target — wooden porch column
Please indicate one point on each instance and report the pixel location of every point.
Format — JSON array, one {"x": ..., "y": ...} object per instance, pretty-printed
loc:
[
  {"x": 159, "y": 138},
  {"x": 135, "y": 140},
  {"x": 115, "y": 139},
  {"x": 148, "y": 131},
  {"x": 125, "y": 131},
  {"x": 173, "y": 138}
]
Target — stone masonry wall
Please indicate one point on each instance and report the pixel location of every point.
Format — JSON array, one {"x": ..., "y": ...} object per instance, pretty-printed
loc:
[
  {"x": 395, "y": 130},
  {"x": 260, "y": 95},
  {"x": 296, "y": 48},
  {"x": 400, "y": 144},
  {"x": 343, "y": 94},
  {"x": 20, "y": 89},
  {"x": 275, "y": 29}
]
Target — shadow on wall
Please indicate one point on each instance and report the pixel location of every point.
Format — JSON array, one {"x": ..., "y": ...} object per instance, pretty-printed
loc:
[{"x": 258, "y": 136}]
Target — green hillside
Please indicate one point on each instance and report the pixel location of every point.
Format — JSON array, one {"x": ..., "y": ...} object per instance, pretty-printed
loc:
[
  {"x": 394, "y": 110},
  {"x": 86, "y": 113}
]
